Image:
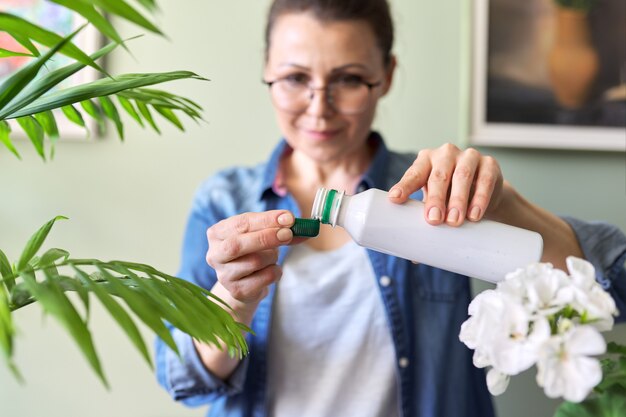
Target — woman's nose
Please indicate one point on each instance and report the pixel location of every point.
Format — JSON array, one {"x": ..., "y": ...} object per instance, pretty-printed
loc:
[{"x": 320, "y": 102}]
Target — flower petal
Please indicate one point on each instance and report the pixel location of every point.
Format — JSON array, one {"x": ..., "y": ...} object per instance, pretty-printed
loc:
[
  {"x": 497, "y": 382},
  {"x": 584, "y": 341}
]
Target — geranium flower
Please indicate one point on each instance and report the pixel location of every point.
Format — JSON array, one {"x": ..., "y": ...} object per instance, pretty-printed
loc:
[
  {"x": 541, "y": 315},
  {"x": 564, "y": 366}
]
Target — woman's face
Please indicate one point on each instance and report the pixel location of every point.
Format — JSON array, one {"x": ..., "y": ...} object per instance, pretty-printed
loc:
[{"x": 309, "y": 51}]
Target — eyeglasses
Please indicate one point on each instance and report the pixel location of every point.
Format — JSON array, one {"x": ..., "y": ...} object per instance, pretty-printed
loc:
[{"x": 347, "y": 94}]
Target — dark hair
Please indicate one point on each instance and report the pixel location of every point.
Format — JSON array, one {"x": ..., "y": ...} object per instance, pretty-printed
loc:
[{"x": 375, "y": 13}]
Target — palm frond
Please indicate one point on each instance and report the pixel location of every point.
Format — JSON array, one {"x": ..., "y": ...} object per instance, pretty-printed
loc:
[
  {"x": 89, "y": 12},
  {"x": 99, "y": 88},
  {"x": 31, "y": 100},
  {"x": 129, "y": 291},
  {"x": 14, "y": 84},
  {"x": 36, "y": 88},
  {"x": 126, "y": 11},
  {"x": 22, "y": 29}
]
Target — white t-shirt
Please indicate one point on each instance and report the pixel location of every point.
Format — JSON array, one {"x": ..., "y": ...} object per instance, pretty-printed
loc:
[{"x": 330, "y": 348}]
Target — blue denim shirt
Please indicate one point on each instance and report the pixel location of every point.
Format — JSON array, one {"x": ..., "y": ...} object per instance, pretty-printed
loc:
[{"x": 425, "y": 306}]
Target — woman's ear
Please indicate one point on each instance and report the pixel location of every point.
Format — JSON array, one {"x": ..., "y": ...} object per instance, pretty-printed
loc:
[{"x": 391, "y": 67}]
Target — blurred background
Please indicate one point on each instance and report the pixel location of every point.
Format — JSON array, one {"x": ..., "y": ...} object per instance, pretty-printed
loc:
[{"x": 130, "y": 200}]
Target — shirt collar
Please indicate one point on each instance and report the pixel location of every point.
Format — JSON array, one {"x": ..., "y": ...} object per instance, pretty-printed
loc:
[{"x": 374, "y": 177}]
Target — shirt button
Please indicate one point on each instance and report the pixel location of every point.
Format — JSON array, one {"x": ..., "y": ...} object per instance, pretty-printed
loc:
[
  {"x": 385, "y": 281},
  {"x": 403, "y": 362}
]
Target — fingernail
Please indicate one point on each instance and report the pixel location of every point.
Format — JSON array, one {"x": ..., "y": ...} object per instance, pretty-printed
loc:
[
  {"x": 395, "y": 193},
  {"x": 434, "y": 214},
  {"x": 284, "y": 234},
  {"x": 474, "y": 213},
  {"x": 453, "y": 215},
  {"x": 285, "y": 219}
]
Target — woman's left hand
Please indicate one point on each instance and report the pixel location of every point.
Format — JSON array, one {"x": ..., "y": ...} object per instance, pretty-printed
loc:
[{"x": 457, "y": 184}]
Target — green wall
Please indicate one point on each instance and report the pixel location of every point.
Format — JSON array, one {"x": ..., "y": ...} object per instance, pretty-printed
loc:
[{"x": 129, "y": 201}]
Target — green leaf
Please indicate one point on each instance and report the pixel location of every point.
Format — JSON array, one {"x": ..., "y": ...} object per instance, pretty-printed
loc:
[
  {"x": 73, "y": 115},
  {"x": 35, "y": 133},
  {"x": 164, "y": 306},
  {"x": 128, "y": 106},
  {"x": 71, "y": 284},
  {"x": 186, "y": 307},
  {"x": 7, "y": 331},
  {"x": 163, "y": 99},
  {"x": 54, "y": 301},
  {"x": 111, "y": 112},
  {"x": 49, "y": 125},
  {"x": 5, "y": 272},
  {"x": 45, "y": 83},
  {"x": 613, "y": 347},
  {"x": 99, "y": 88},
  {"x": 148, "y": 4},
  {"x": 5, "y": 129},
  {"x": 20, "y": 79},
  {"x": 94, "y": 112},
  {"x": 16, "y": 26},
  {"x": 5, "y": 53},
  {"x": 145, "y": 112},
  {"x": 119, "y": 314},
  {"x": 194, "y": 301},
  {"x": 169, "y": 115},
  {"x": 6, "y": 324},
  {"x": 93, "y": 16},
  {"x": 35, "y": 242},
  {"x": 160, "y": 93},
  {"x": 611, "y": 403},
  {"x": 142, "y": 307},
  {"x": 51, "y": 256},
  {"x": 122, "y": 9},
  {"x": 26, "y": 43}
]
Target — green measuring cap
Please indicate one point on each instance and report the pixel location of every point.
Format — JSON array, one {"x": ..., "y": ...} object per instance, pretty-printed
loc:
[{"x": 306, "y": 227}]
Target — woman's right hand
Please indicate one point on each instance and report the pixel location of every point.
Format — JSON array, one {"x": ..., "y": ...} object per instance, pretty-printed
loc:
[{"x": 243, "y": 250}]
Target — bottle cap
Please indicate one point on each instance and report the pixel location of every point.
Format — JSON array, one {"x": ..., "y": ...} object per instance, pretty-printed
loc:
[{"x": 306, "y": 227}]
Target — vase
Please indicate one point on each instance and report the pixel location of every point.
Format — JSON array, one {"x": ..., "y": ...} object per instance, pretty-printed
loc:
[{"x": 573, "y": 62}]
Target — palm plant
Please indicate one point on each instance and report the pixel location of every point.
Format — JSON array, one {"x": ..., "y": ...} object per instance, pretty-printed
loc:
[{"x": 125, "y": 289}]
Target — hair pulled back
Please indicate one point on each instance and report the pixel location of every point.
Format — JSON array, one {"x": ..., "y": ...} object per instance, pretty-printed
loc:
[{"x": 375, "y": 13}]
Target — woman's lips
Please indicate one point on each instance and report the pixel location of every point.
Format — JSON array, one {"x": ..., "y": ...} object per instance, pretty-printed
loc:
[{"x": 321, "y": 134}]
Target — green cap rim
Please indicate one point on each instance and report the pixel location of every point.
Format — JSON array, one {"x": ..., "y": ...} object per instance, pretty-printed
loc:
[{"x": 328, "y": 204}]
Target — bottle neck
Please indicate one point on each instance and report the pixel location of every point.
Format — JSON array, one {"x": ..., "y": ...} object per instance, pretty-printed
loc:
[{"x": 326, "y": 205}]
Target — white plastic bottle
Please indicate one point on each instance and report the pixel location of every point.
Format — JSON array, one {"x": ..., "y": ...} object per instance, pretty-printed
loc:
[{"x": 486, "y": 249}]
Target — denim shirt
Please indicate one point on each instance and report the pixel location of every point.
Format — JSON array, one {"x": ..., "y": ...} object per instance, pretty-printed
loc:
[{"x": 425, "y": 306}]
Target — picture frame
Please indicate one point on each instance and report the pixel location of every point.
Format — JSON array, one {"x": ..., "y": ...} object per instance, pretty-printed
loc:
[
  {"x": 515, "y": 98},
  {"x": 62, "y": 21}
]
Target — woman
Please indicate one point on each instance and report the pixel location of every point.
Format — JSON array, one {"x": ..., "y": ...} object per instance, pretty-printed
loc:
[{"x": 339, "y": 330}]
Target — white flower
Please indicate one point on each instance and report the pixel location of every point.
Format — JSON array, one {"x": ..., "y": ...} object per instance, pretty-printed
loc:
[
  {"x": 500, "y": 333},
  {"x": 497, "y": 382},
  {"x": 587, "y": 296},
  {"x": 541, "y": 315},
  {"x": 601, "y": 309},
  {"x": 564, "y": 368},
  {"x": 518, "y": 347},
  {"x": 477, "y": 331},
  {"x": 537, "y": 287}
]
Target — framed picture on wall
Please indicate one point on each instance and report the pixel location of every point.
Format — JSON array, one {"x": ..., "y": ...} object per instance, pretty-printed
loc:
[
  {"x": 549, "y": 74},
  {"x": 63, "y": 22}
]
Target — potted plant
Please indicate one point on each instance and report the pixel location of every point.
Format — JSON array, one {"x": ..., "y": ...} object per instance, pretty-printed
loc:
[{"x": 128, "y": 291}]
